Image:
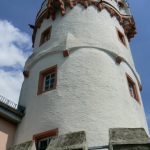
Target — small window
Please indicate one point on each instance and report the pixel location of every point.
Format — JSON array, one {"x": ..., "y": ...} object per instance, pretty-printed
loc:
[
  {"x": 45, "y": 36},
  {"x": 43, "y": 143},
  {"x": 42, "y": 140},
  {"x": 132, "y": 88},
  {"x": 121, "y": 37},
  {"x": 47, "y": 80}
]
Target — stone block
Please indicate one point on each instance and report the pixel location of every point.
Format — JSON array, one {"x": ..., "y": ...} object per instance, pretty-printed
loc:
[
  {"x": 30, "y": 145},
  {"x": 131, "y": 147},
  {"x": 129, "y": 139},
  {"x": 71, "y": 141}
]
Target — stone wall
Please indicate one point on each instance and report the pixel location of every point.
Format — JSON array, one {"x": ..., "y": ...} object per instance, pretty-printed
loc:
[
  {"x": 132, "y": 147},
  {"x": 30, "y": 145},
  {"x": 71, "y": 141},
  {"x": 129, "y": 139}
]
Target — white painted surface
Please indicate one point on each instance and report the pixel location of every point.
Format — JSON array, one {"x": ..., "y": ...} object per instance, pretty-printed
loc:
[
  {"x": 92, "y": 92},
  {"x": 84, "y": 27}
]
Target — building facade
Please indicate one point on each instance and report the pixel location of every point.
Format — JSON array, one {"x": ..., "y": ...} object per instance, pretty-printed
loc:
[
  {"x": 10, "y": 117},
  {"x": 81, "y": 75}
]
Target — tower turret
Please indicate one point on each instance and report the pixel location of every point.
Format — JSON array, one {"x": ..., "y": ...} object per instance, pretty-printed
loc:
[{"x": 81, "y": 75}]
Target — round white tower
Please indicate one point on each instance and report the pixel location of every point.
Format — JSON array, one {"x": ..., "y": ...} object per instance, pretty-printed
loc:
[{"x": 81, "y": 75}]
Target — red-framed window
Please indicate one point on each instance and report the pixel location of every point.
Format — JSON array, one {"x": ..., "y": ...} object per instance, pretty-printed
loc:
[
  {"x": 43, "y": 139},
  {"x": 132, "y": 88},
  {"x": 47, "y": 80},
  {"x": 45, "y": 36},
  {"x": 121, "y": 37}
]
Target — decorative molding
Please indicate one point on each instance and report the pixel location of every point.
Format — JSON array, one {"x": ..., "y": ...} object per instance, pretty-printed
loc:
[
  {"x": 45, "y": 134},
  {"x": 26, "y": 73},
  {"x": 119, "y": 59},
  {"x": 126, "y": 21},
  {"x": 30, "y": 63},
  {"x": 66, "y": 53}
]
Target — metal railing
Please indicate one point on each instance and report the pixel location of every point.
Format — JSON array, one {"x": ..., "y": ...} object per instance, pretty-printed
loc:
[
  {"x": 8, "y": 102},
  {"x": 11, "y": 104}
]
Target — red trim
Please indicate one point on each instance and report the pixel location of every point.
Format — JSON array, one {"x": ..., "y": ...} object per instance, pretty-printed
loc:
[
  {"x": 65, "y": 53},
  {"x": 26, "y": 73},
  {"x": 121, "y": 37},
  {"x": 119, "y": 59},
  {"x": 130, "y": 80},
  {"x": 41, "y": 79},
  {"x": 126, "y": 21},
  {"x": 45, "y": 134}
]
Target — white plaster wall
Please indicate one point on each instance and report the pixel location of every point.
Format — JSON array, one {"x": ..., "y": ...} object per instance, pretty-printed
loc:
[
  {"x": 92, "y": 92},
  {"x": 111, "y": 2},
  {"x": 88, "y": 27},
  {"x": 92, "y": 95}
]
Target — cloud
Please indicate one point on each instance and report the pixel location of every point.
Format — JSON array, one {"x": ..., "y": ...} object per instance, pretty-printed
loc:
[
  {"x": 12, "y": 44},
  {"x": 15, "y": 47},
  {"x": 10, "y": 83}
]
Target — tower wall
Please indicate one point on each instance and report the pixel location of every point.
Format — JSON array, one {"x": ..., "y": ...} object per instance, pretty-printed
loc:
[
  {"x": 84, "y": 27},
  {"x": 92, "y": 91}
]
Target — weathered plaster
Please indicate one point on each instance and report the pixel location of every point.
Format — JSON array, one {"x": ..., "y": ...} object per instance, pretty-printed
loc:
[
  {"x": 92, "y": 95},
  {"x": 92, "y": 92},
  {"x": 128, "y": 139},
  {"x": 29, "y": 145}
]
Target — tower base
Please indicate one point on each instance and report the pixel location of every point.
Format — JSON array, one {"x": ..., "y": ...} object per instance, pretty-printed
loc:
[{"x": 119, "y": 139}]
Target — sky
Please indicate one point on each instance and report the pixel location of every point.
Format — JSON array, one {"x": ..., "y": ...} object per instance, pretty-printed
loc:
[{"x": 15, "y": 46}]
